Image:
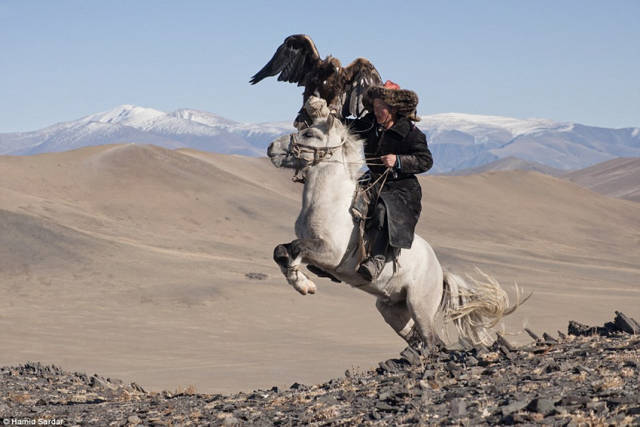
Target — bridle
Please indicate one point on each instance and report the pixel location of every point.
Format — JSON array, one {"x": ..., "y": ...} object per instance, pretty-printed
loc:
[{"x": 297, "y": 150}]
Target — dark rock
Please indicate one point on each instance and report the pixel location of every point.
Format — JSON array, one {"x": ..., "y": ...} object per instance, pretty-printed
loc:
[
  {"x": 411, "y": 356},
  {"x": 384, "y": 395},
  {"x": 515, "y": 406},
  {"x": 579, "y": 329},
  {"x": 429, "y": 374},
  {"x": 542, "y": 406},
  {"x": 626, "y": 324},
  {"x": 598, "y": 406},
  {"x": 137, "y": 387},
  {"x": 134, "y": 419},
  {"x": 256, "y": 276},
  {"x": 458, "y": 408},
  {"x": 504, "y": 343},
  {"x": 532, "y": 334},
  {"x": 575, "y": 400},
  {"x": 382, "y": 406},
  {"x": 393, "y": 365},
  {"x": 424, "y": 387},
  {"x": 551, "y": 367},
  {"x": 480, "y": 349},
  {"x": 327, "y": 399},
  {"x": 549, "y": 338},
  {"x": 230, "y": 420},
  {"x": 453, "y": 367},
  {"x": 471, "y": 361}
]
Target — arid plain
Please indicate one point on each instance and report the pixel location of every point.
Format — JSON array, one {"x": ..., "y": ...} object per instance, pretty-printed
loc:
[{"x": 131, "y": 261}]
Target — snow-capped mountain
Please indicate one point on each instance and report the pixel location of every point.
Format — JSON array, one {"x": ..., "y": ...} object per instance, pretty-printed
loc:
[
  {"x": 462, "y": 141},
  {"x": 129, "y": 123},
  {"x": 458, "y": 141}
]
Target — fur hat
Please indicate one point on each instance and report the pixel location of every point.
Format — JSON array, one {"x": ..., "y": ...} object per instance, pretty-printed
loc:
[{"x": 402, "y": 100}]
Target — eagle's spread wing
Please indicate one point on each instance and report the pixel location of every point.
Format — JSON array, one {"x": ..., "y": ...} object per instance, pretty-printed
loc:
[
  {"x": 360, "y": 74},
  {"x": 294, "y": 60}
]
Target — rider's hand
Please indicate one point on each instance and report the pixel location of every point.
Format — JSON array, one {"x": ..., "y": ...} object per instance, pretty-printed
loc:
[{"x": 389, "y": 160}]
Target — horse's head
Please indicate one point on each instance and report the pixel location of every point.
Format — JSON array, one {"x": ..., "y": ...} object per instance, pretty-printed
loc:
[{"x": 310, "y": 145}]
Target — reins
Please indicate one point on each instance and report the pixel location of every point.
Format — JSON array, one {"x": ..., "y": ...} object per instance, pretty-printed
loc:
[{"x": 324, "y": 154}]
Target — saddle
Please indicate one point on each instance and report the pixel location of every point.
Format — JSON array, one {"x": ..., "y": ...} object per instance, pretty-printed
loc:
[{"x": 360, "y": 211}]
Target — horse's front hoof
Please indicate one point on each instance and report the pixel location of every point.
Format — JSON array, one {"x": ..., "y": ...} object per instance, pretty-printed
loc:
[
  {"x": 311, "y": 287},
  {"x": 307, "y": 287}
]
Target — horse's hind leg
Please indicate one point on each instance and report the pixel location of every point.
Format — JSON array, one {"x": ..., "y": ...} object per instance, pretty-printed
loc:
[
  {"x": 423, "y": 311},
  {"x": 289, "y": 257},
  {"x": 399, "y": 318}
]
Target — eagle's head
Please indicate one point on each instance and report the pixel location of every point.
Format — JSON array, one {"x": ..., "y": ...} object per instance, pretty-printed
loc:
[{"x": 330, "y": 67}]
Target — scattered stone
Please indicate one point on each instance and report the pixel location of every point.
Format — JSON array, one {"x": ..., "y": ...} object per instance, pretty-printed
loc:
[
  {"x": 549, "y": 339},
  {"x": 621, "y": 323},
  {"x": 411, "y": 356},
  {"x": 256, "y": 276},
  {"x": 532, "y": 334},
  {"x": 231, "y": 421},
  {"x": 579, "y": 329},
  {"x": 541, "y": 406},
  {"x": 501, "y": 341},
  {"x": 590, "y": 378},
  {"x": 458, "y": 408},
  {"x": 134, "y": 419},
  {"x": 514, "y": 406},
  {"x": 626, "y": 324}
]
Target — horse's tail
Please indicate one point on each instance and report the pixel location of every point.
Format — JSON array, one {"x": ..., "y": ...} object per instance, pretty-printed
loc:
[{"x": 475, "y": 306}]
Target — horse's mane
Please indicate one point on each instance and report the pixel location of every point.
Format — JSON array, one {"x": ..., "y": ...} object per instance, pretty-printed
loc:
[{"x": 353, "y": 144}]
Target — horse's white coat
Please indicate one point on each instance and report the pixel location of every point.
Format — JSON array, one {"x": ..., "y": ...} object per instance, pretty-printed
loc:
[{"x": 410, "y": 298}]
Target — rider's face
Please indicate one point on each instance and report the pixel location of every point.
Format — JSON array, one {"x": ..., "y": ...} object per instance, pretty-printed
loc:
[{"x": 383, "y": 112}]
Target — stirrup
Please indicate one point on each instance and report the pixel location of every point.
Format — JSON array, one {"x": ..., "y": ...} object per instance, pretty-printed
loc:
[{"x": 371, "y": 268}]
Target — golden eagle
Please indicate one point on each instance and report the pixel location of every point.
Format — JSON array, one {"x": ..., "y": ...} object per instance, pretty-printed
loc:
[{"x": 297, "y": 60}]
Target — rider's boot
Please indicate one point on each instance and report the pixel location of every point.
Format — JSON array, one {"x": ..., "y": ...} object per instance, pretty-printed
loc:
[{"x": 371, "y": 268}]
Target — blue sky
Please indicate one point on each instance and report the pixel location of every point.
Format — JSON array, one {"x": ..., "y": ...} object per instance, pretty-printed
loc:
[{"x": 564, "y": 60}]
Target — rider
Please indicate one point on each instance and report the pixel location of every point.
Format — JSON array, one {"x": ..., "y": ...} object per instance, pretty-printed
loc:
[{"x": 400, "y": 150}]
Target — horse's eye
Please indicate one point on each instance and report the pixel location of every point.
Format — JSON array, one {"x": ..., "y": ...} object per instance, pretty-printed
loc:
[{"x": 308, "y": 134}]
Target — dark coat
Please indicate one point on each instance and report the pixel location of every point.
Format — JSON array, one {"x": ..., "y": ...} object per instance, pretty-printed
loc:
[{"x": 401, "y": 193}]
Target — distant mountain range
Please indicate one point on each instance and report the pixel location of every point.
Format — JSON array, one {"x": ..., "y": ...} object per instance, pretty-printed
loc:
[
  {"x": 182, "y": 128},
  {"x": 458, "y": 141}
]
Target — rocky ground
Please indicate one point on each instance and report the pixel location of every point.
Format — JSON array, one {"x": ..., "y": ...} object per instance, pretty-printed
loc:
[{"x": 591, "y": 376}]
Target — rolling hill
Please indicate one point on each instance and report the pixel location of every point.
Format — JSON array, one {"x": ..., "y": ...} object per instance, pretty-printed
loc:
[
  {"x": 135, "y": 261},
  {"x": 616, "y": 178}
]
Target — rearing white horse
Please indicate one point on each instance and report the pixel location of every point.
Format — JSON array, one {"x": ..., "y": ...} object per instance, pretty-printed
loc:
[{"x": 410, "y": 298}]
